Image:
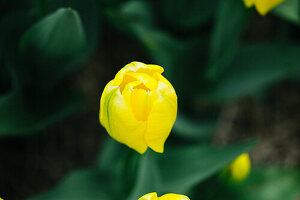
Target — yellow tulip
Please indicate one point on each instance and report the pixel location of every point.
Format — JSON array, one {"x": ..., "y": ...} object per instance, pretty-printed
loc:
[
  {"x": 138, "y": 107},
  {"x": 153, "y": 196},
  {"x": 240, "y": 168},
  {"x": 263, "y": 6}
]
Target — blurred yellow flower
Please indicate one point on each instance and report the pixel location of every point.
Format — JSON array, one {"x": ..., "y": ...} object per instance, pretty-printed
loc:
[
  {"x": 153, "y": 196},
  {"x": 139, "y": 107},
  {"x": 263, "y": 6},
  {"x": 240, "y": 168}
]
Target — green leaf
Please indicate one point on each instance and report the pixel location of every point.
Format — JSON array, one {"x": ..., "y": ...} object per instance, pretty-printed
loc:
[
  {"x": 147, "y": 176},
  {"x": 120, "y": 162},
  {"x": 138, "y": 11},
  {"x": 271, "y": 183},
  {"x": 54, "y": 46},
  {"x": 111, "y": 154},
  {"x": 184, "y": 167},
  {"x": 288, "y": 10},
  {"x": 138, "y": 23},
  {"x": 176, "y": 56},
  {"x": 163, "y": 48},
  {"x": 255, "y": 68},
  {"x": 267, "y": 183},
  {"x": 187, "y": 15},
  {"x": 193, "y": 130},
  {"x": 90, "y": 16},
  {"x": 59, "y": 35},
  {"x": 226, "y": 33},
  {"x": 79, "y": 185},
  {"x": 26, "y": 113}
]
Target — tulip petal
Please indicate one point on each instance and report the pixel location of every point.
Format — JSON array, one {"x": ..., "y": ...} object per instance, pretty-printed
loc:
[
  {"x": 150, "y": 196},
  {"x": 108, "y": 91},
  {"x": 162, "y": 117},
  {"x": 141, "y": 103},
  {"x": 240, "y": 167},
  {"x": 173, "y": 197},
  {"x": 148, "y": 81},
  {"x": 139, "y": 107},
  {"x": 122, "y": 124},
  {"x": 137, "y": 67},
  {"x": 165, "y": 88},
  {"x": 249, "y": 3},
  {"x": 264, "y": 6}
]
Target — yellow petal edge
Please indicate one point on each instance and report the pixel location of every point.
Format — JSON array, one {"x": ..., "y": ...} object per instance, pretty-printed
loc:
[
  {"x": 263, "y": 6},
  {"x": 153, "y": 196},
  {"x": 139, "y": 107}
]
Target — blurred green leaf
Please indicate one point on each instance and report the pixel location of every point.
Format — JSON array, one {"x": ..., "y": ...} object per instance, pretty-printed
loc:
[
  {"x": 120, "y": 162},
  {"x": 289, "y": 10},
  {"x": 26, "y": 113},
  {"x": 28, "y": 105},
  {"x": 178, "y": 57},
  {"x": 147, "y": 176},
  {"x": 138, "y": 11},
  {"x": 225, "y": 35},
  {"x": 111, "y": 155},
  {"x": 255, "y": 68},
  {"x": 193, "y": 130},
  {"x": 182, "y": 59},
  {"x": 163, "y": 48},
  {"x": 53, "y": 46},
  {"x": 267, "y": 183},
  {"x": 221, "y": 190},
  {"x": 184, "y": 167},
  {"x": 79, "y": 185},
  {"x": 187, "y": 15},
  {"x": 272, "y": 183},
  {"x": 57, "y": 36},
  {"x": 139, "y": 24},
  {"x": 90, "y": 15}
]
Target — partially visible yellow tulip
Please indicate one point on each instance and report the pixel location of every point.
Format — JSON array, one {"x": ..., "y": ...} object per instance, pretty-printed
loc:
[
  {"x": 240, "y": 168},
  {"x": 138, "y": 107},
  {"x": 263, "y": 6},
  {"x": 153, "y": 196}
]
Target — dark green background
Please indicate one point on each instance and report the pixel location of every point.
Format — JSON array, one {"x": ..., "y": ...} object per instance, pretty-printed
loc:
[{"x": 236, "y": 75}]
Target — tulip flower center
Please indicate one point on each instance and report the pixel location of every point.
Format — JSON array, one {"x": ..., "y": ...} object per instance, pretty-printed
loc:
[
  {"x": 142, "y": 87},
  {"x": 141, "y": 103}
]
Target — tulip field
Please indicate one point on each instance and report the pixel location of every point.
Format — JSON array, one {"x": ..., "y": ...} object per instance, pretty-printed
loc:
[{"x": 150, "y": 100}]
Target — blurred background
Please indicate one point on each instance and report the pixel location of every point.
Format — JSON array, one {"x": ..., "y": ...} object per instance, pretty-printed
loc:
[{"x": 236, "y": 74}]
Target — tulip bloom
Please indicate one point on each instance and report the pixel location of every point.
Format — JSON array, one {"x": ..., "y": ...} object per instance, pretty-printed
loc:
[
  {"x": 153, "y": 196},
  {"x": 138, "y": 107},
  {"x": 263, "y": 6},
  {"x": 239, "y": 169}
]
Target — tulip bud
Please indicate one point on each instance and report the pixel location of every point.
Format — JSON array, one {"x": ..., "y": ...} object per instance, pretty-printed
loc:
[
  {"x": 263, "y": 6},
  {"x": 138, "y": 107},
  {"x": 239, "y": 169},
  {"x": 153, "y": 196}
]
